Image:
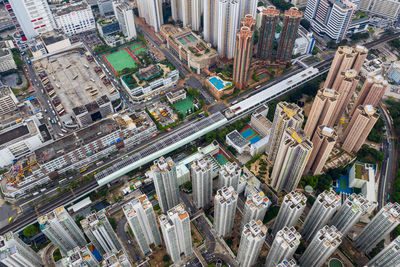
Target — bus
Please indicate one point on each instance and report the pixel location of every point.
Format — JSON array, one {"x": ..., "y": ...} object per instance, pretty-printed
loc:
[
  {"x": 28, "y": 60},
  {"x": 234, "y": 102}
]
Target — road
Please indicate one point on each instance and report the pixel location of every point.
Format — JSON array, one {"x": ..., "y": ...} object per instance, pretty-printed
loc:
[
  {"x": 47, "y": 256},
  {"x": 126, "y": 239}
]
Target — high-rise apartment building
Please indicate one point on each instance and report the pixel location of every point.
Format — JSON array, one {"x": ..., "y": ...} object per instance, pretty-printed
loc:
[
  {"x": 288, "y": 263},
  {"x": 387, "y": 219},
  {"x": 151, "y": 11},
  {"x": 389, "y": 9},
  {"x": 330, "y": 18},
  {"x": 80, "y": 256},
  {"x": 327, "y": 203},
  {"x": 61, "y": 229},
  {"x": 202, "y": 181},
  {"x": 225, "y": 202},
  {"x": 14, "y": 252},
  {"x": 372, "y": 91},
  {"x": 142, "y": 220},
  {"x": 269, "y": 19},
  {"x": 100, "y": 232},
  {"x": 285, "y": 244},
  {"x": 244, "y": 52},
  {"x": 251, "y": 242},
  {"x": 175, "y": 227},
  {"x": 229, "y": 175},
  {"x": 105, "y": 7},
  {"x": 359, "y": 127},
  {"x": 290, "y": 25},
  {"x": 323, "y": 141},
  {"x": 248, "y": 7},
  {"x": 116, "y": 259},
  {"x": 292, "y": 207},
  {"x": 389, "y": 255},
  {"x": 163, "y": 173},
  {"x": 286, "y": 115},
  {"x": 210, "y": 18},
  {"x": 322, "y": 110},
  {"x": 350, "y": 212},
  {"x": 187, "y": 11},
  {"x": 126, "y": 20},
  {"x": 228, "y": 20},
  {"x": 345, "y": 58},
  {"x": 325, "y": 242},
  {"x": 293, "y": 154},
  {"x": 255, "y": 207}
]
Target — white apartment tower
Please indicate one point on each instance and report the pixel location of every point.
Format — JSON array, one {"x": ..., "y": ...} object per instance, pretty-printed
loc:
[
  {"x": 210, "y": 17},
  {"x": 187, "y": 11},
  {"x": 14, "y": 252},
  {"x": 225, "y": 202},
  {"x": 327, "y": 203},
  {"x": 288, "y": 263},
  {"x": 291, "y": 160},
  {"x": 325, "y": 242},
  {"x": 100, "y": 232},
  {"x": 80, "y": 257},
  {"x": 34, "y": 17},
  {"x": 126, "y": 21},
  {"x": 379, "y": 227},
  {"x": 229, "y": 175},
  {"x": 163, "y": 173},
  {"x": 350, "y": 212},
  {"x": 62, "y": 230},
  {"x": 286, "y": 115},
  {"x": 248, "y": 7},
  {"x": 74, "y": 18},
  {"x": 175, "y": 227},
  {"x": 151, "y": 11},
  {"x": 142, "y": 220},
  {"x": 285, "y": 244},
  {"x": 389, "y": 256},
  {"x": 292, "y": 207},
  {"x": 227, "y": 24},
  {"x": 251, "y": 242},
  {"x": 255, "y": 207},
  {"x": 389, "y": 9},
  {"x": 201, "y": 171}
]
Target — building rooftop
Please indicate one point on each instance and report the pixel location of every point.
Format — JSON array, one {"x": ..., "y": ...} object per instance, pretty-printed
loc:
[
  {"x": 4, "y": 52},
  {"x": 237, "y": 139},
  {"x": 69, "y": 8}
]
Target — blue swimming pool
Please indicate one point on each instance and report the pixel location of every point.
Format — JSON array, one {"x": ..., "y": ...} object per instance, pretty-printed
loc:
[{"x": 218, "y": 82}]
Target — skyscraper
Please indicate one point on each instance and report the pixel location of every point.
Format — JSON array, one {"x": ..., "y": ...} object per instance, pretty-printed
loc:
[
  {"x": 359, "y": 127},
  {"x": 269, "y": 20},
  {"x": 293, "y": 154},
  {"x": 350, "y": 212},
  {"x": 244, "y": 52},
  {"x": 187, "y": 11},
  {"x": 389, "y": 255},
  {"x": 116, "y": 259},
  {"x": 225, "y": 202},
  {"x": 286, "y": 115},
  {"x": 251, "y": 242},
  {"x": 80, "y": 256},
  {"x": 323, "y": 141},
  {"x": 151, "y": 11},
  {"x": 372, "y": 91},
  {"x": 100, "y": 232},
  {"x": 227, "y": 23},
  {"x": 380, "y": 226},
  {"x": 229, "y": 175},
  {"x": 210, "y": 17},
  {"x": 345, "y": 58},
  {"x": 291, "y": 22},
  {"x": 321, "y": 111},
  {"x": 248, "y": 7},
  {"x": 142, "y": 220},
  {"x": 325, "y": 242},
  {"x": 291, "y": 209},
  {"x": 175, "y": 227},
  {"x": 255, "y": 207},
  {"x": 327, "y": 203},
  {"x": 201, "y": 171},
  {"x": 288, "y": 263},
  {"x": 124, "y": 15},
  {"x": 330, "y": 18},
  {"x": 14, "y": 252},
  {"x": 62, "y": 230},
  {"x": 285, "y": 244},
  {"x": 163, "y": 173}
]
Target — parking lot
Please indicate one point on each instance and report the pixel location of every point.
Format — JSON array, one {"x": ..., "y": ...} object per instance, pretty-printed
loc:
[{"x": 162, "y": 113}]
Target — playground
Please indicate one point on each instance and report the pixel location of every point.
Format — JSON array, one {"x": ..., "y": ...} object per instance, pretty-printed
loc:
[{"x": 184, "y": 105}]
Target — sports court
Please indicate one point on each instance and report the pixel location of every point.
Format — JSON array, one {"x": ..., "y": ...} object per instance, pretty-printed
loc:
[
  {"x": 221, "y": 157},
  {"x": 250, "y": 134},
  {"x": 187, "y": 39},
  {"x": 184, "y": 105},
  {"x": 120, "y": 60},
  {"x": 138, "y": 48}
]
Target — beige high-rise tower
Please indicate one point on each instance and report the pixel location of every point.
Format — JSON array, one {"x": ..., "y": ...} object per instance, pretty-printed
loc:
[
  {"x": 323, "y": 142},
  {"x": 286, "y": 115},
  {"x": 346, "y": 58},
  {"x": 358, "y": 129},
  {"x": 321, "y": 110},
  {"x": 372, "y": 91},
  {"x": 345, "y": 85}
]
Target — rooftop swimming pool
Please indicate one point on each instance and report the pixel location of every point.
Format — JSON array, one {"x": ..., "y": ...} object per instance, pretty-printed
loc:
[{"x": 218, "y": 83}]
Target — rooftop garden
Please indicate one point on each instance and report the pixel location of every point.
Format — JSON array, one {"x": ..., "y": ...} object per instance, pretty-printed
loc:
[{"x": 358, "y": 15}]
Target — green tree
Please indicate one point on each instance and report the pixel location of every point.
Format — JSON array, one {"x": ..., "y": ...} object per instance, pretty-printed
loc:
[
  {"x": 166, "y": 258},
  {"x": 30, "y": 230}
]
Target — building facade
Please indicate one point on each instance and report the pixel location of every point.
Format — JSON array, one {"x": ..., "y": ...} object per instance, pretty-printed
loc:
[
  {"x": 389, "y": 256},
  {"x": 151, "y": 11},
  {"x": 210, "y": 17},
  {"x": 255, "y": 207},
  {"x": 251, "y": 242},
  {"x": 74, "y": 18},
  {"x": 225, "y": 202},
  {"x": 6, "y": 60},
  {"x": 202, "y": 181},
  {"x": 228, "y": 20},
  {"x": 268, "y": 20},
  {"x": 372, "y": 91},
  {"x": 187, "y": 11},
  {"x": 288, "y": 35},
  {"x": 229, "y": 175},
  {"x": 8, "y": 101},
  {"x": 388, "y": 9},
  {"x": 125, "y": 17}
]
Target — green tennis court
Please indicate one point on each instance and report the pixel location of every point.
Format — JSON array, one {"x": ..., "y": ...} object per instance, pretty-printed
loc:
[
  {"x": 135, "y": 46},
  {"x": 222, "y": 160},
  {"x": 138, "y": 48},
  {"x": 183, "y": 41},
  {"x": 190, "y": 38},
  {"x": 184, "y": 105},
  {"x": 120, "y": 60}
]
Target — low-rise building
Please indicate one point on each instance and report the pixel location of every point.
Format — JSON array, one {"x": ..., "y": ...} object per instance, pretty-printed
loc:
[
  {"x": 6, "y": 59},
  {"x": 237, "y": 141},
  {"x": 394, "y": 72},
  {"x": 304, "y": 43},
  {"x": 74, "y": 18},
  {"x": 176, "y": 96},
  {"x": 372, "y": 66},
  {"x": 362, "y": 176},
  {"x": 8, "y": 101},
  {"x": 107, "y": 27}
]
